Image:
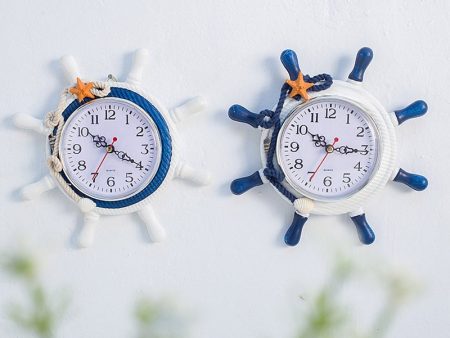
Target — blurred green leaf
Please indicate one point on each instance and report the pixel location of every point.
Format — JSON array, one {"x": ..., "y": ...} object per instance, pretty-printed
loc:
[
  {"x": 42, "y": 314},
  {"x": 158, "y": 319},
  {"x": 327, "y": 315},
  {"x": 20, "y": 265}
]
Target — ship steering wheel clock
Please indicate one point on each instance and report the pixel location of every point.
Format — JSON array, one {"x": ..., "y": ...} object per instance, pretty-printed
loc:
[
  {"x": 328, "y": 146},
  {"x": 111, "y": 148}
]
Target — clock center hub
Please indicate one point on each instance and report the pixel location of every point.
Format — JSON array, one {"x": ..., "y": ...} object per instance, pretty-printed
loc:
[{"x": 329, "y": 149}]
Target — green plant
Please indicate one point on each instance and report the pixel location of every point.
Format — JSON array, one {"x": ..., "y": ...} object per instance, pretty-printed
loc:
[
  {"x": 328, "y": 316},
  {"x": 157, "y": 319},
  {"x": 43, "y": 313}
]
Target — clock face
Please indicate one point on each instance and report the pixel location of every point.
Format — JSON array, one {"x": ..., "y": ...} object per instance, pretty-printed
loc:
[
  {"x": 110, "y": 149},
  {"x": 328, "y": 149}
]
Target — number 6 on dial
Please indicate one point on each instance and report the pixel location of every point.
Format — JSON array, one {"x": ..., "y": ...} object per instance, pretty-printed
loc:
[
  {"x": 327, "y": 146},
  {"x": 111, "y": 147}
]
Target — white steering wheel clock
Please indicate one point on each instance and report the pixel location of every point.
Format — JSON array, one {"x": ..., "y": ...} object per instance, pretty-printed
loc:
[
  {"x": 355, "y": 143},
  {"x": 328, "y": 146},
  {"x": 111, "y": 147},
  {"x": 117, "y": 168}
]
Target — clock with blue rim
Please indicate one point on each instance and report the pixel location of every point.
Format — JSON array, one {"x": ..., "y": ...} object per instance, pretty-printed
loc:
[
  {"x": 327, "y": 146},
  {"x": 111, "y": 147}
]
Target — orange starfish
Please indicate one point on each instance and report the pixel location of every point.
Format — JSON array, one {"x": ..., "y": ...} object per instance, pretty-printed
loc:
[
  {"x": 82, "y": 90},
  {"x": 299, "y": 87}
]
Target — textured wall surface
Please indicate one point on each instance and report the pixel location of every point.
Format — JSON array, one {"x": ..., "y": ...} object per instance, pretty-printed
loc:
[{"x": 224, "y": 259}]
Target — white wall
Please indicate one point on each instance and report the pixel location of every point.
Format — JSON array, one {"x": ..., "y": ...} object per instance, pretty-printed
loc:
[{"x": 224, "y": 259}]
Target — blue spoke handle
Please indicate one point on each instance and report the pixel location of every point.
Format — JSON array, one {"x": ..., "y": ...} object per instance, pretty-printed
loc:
[
  {"x": 292, "y": 236},
  {"x": 414, "y": 110},
  {"x": 241, "y": 185},
  {"x": 363, "y": 59},
  {"x": 290, "y": 62},
  {"x": 416, "y": 182},
  {"x": 240, "y": 114},
  {"x": 365, "y": 232}
]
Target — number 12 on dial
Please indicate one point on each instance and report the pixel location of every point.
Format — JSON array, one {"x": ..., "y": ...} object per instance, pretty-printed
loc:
[
  {"x": 328, "y": 149},
  {"x": 110, "y": 149}
]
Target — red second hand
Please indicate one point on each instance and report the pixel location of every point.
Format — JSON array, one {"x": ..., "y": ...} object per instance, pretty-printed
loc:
[
  {"x": 95, "y": 174},
  {"x": 336, "y": 139}
]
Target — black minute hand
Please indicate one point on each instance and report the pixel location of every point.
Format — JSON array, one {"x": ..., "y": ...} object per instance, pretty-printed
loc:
[
  {"x": 348, "y": 150},
  {"x": 100, "y": 142},
  {"x": 125, "y": 157}
]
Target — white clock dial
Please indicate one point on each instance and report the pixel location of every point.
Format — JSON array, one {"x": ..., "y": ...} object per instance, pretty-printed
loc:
[
  {"x": 328, "y": 148},
  {"x": 110, "y": 149}
]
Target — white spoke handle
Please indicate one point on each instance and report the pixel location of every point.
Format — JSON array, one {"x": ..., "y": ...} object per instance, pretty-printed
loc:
[{"x": 155, "y": 230}]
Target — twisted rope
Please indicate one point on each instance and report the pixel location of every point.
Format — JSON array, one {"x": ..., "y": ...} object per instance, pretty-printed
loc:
[
  {"x": 325, "y": 82},
  {"x": 268, "y": 119},
  {"x": 54, "y": 119},
  {"x": 101, "y": 89},
  {"x": 54, "y": 163}
]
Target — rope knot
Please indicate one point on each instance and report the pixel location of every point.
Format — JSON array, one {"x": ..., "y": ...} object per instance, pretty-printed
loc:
[
  {"x": 54, "y": 163},
  {"x": 266, "y": 119},
  {"x": 321, "y": 82},
  {"x": 52, "y": 119},
  {"x": 273, "y": 174},
  {"x": 101, "y": 89}
]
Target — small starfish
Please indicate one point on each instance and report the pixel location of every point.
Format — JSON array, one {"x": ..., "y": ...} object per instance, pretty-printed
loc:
[
  {"x": 82, "y": 90},
  {"x": 299, "y": 87}
]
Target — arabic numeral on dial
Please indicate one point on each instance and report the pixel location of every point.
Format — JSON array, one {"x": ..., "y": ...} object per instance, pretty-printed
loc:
[
  {"x": 302, "y": 130},
  {"x": 360, "y": 132},
  {"x": 348, "y": 119},
  {"x": 298, "y": 163},
  {"x": 346, "y": 178},
  {"x": 140, "y": 131},
  {"x": 294, "y": 146},
  {"x": 110, "y": 114},
  {"x": 82, "y": 165},
  {"x": 358, "y": 166},
  {"x": 330, "y": 113},
  {"x": 127, "y": 119},
  {"x": 110, "y": 181},
  {"x": 365, "y": 150},
  {"x": 84, "y": 131},
  {"x": 76, "y": 148},
  {"x": 145, "y": 150},
  {"x": 314, "y": 117},
  {"x": 94, "y": 119},
  {"x": 327, "y": 181},
  {"x": 129, "y": 177}
]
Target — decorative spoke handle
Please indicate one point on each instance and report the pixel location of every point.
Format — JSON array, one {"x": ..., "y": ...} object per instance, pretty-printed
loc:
[
  {"x": 363, "y": 59},
  {"x": 290, "y": 62}
]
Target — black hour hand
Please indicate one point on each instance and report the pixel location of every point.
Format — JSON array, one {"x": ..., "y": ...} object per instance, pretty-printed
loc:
[
  {"x": 319, "y": 140},
  {"x": 100, "y": 141}
]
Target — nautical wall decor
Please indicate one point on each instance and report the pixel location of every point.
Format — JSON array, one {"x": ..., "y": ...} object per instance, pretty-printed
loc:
[
  {"x": 111, "y": 147},
  {"x": 327, "y": 146}
]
